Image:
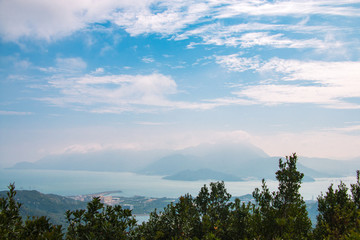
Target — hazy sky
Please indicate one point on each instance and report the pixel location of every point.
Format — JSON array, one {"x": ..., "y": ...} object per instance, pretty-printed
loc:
[{"x": 85, "y": 75}]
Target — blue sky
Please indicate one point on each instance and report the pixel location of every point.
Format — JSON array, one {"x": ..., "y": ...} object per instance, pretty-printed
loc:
[{"x": 82, "y": 76}]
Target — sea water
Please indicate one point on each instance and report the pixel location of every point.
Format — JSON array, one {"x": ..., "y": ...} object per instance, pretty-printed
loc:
[{"x": 70, "y": 183}]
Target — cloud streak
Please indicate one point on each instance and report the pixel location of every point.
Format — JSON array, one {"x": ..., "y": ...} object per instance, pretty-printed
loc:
[
  {"x": 282, "y": 81},
  {"x": 112, "y": 92},
  {"x": 289, "y": 8},
  {"x": 14, "y": 113},
  {"x": 330, "y": 84},
  {"x": 119, "y": 93},
  {"x": 259, "y": 34}
]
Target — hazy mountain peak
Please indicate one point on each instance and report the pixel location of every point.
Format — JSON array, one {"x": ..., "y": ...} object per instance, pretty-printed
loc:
[{"x": 243, "y": 148}]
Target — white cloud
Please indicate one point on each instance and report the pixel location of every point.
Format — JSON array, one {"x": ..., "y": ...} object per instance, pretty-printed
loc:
[
  {"x": 220, "y": 30},
  {"x": 152, "y": 123},
  {"x": 257, "y": 34},
  {"x": 277, "y": 41},
  {"x": 119, "y": 91},
  {"x": 51, "y": 20},
  {"x": 70, "y": 64},
  {"x": 288, "y": 8},
  {"x": 327, "y": 73},
  {"x": 42, "y": 19},
  {"x": 347, "y": 129},
  {"x": 236, "y": 63},
  {"x": 169, "y": 18},
  {"x": 99, "y": 93},
  {"x": 279, "y": 94},
  {"x": 330, "y": 84},
  {"x": 15, "y": 113},
  {"x": 98, "y": 71},
  {"x": 66, "y": 66},
  {"x": 39, "y": 19},
  {"x": 147, "y": 60}
]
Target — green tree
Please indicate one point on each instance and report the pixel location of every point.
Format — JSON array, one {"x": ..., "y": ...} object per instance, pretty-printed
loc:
[
  {"x": 40, "y": 228},
  {"x": 282, "y": 214},
  {"x": 241, "y": 221},
  {"x": 264, "y": 213},
  {"x": 10, "y": 219},
  {"x": 339, "y": 213},
  {"x": 177, "y": 221},
  {"x": 99, "y": 222},
  {"x": 205, "y": 217},
  {"x": 214, "y": 207},
  {"x": 12, "y": 225}
]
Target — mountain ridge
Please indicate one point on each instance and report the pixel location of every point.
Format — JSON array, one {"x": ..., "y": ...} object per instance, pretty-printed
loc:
[{"x": 239, "y": 160}]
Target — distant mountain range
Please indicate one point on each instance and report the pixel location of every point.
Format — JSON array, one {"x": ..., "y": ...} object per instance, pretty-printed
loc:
[
  {"x": 114, "y": 161},
  {"x": 226, "y": 161}
]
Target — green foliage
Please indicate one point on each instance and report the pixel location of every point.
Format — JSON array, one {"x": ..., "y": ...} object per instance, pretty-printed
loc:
[
  {"x": 282, "y": 214},
  {"x": 40, "y": 228},
  {"x": 13, "y": 227},
  {"x": 241, "y": 221},
  {"x": 10, "y": 220},
  {"x": 52, "y": 206},
  {"x": 210, "y": 215},
  {"x": 339, "y": 213},
  {"x": 177, "y": 221},
  {"x": 214, "y": 208},
  {"x": 99, "y": 222}
]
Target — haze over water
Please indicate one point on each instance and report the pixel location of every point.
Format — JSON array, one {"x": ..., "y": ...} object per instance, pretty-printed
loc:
[{"x": 68, "y": 183}]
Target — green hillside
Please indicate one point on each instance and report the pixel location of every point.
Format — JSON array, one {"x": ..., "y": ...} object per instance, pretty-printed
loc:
[{"x": 53, "y": 206}]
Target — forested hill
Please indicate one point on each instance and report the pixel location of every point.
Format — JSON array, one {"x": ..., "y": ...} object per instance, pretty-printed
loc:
[{"x": 53, "y": 206}]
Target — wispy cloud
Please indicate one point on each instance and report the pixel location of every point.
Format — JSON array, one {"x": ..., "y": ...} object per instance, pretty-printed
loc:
[
  {"x": 147, "y": 59},
  {"x": 98, "y": 71},
  {"x": 66, "y": 66},
  {"x": 330, "y": 84},
  {"x": 46, "y": 20},
  {"x": 347, "y": 129},
  {"x": 15, "y": 113},
  {"x": 258, "y": 34},
  {"x": 287, "y": 8},
  {"x": 120, "y": 91},
  {"x": 162, "y": 17},
  {"x": 153, "y": 123},
  {"x": 239, "y": 64},
  {"x": 277, "y": 41},
  {"x": 282, "y": 81}
]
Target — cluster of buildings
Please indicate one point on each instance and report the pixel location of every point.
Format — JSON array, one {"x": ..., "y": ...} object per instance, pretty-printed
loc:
[{"x": 105, "y": 197}]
